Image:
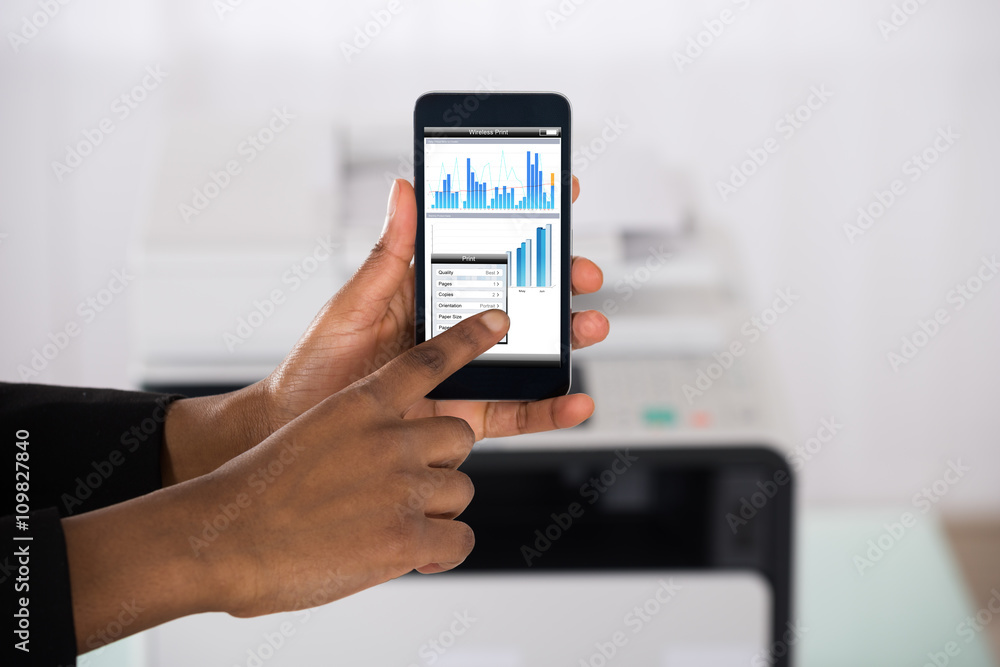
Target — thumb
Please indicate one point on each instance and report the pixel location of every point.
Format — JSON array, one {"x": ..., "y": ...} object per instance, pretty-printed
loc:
[{"x": 374, "y": 284}]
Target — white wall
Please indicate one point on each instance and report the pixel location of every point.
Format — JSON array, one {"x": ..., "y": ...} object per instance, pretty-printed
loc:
[{"x": 613, "y": 59}]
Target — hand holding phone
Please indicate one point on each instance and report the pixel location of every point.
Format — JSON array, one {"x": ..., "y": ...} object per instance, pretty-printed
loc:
[{"x": 494, "y": 187}]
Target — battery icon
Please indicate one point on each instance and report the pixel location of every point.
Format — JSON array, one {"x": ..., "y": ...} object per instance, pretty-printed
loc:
[{"x": 548, "y": 133}]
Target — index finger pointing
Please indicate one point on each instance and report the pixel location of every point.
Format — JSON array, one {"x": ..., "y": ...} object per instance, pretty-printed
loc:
[{"x": 413, "y": 374}]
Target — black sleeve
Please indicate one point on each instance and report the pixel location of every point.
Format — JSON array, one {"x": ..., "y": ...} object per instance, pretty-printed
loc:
[
  {"x": 36, "y": 574},
  {"x": 79, "y": 450}
]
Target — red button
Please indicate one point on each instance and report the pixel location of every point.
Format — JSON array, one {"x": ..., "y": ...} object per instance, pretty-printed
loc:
[{"x": 701, "y": 419}]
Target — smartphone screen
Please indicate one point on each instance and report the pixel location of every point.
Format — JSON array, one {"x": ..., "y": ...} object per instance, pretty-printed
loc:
[{"x": 492, "y": 218}]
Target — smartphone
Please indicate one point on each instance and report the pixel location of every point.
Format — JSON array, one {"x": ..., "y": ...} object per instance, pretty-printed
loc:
[{"x": 493, "y": 184}]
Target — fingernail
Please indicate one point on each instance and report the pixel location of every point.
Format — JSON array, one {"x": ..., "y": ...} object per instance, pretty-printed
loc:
[
  {"x": 496, "y": 320},
  {"x": 390, "y": 209}
]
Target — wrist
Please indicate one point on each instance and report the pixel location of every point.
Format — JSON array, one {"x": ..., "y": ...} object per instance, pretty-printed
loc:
[
  {"x": 203, "y": 433},
  {"x": 132, "y": 566}
]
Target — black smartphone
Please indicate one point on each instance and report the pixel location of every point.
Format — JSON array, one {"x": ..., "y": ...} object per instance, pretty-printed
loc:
[{"x": 493, "y": 184}]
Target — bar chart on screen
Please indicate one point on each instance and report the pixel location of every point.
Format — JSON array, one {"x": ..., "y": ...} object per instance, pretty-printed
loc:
[
  {"x": 530, "y": 265},
  {"x": 497, "y": 179}
]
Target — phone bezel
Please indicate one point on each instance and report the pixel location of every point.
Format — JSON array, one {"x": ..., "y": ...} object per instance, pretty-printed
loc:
[{"x": 507, "y": 109}]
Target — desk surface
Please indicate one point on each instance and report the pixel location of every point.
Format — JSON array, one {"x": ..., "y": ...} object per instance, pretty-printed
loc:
[{"x": 910, "y": 603}]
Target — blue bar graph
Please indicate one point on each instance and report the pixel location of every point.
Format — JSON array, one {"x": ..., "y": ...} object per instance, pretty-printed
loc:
[
  {"x": 533, "y": 260},
  {"x": 516, "y": 194}
]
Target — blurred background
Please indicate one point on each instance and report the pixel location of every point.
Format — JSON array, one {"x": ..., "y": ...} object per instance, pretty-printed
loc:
[{"x": 825, "y": 168}]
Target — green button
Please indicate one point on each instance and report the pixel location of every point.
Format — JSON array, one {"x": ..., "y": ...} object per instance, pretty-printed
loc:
[{"x": 660, "y": 416}]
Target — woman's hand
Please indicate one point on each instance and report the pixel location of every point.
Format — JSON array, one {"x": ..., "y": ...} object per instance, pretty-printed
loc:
[
  {"x": 366, "y": 324},
  {"x": 345, "y": 497},
  {"x": 369, "y": 495}
]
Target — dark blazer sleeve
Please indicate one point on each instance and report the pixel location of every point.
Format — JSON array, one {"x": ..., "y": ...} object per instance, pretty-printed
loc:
[{"x": 83, "y": 449}]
